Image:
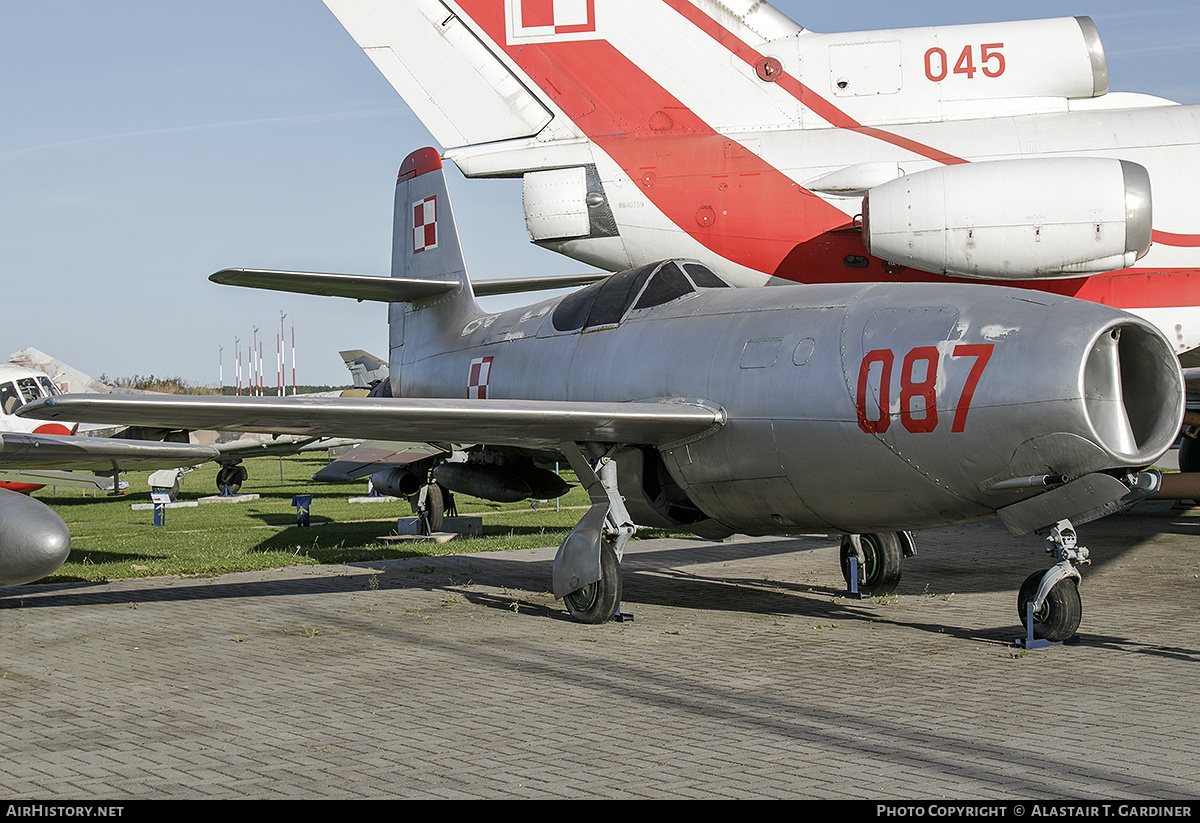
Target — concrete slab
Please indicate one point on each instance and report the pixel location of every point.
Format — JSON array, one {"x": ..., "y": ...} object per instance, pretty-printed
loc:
[
  {"x": 464, "y": 525},
  {"x": 745, "y": 674}
]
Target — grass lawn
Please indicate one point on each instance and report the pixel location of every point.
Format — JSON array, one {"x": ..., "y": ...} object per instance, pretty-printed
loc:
[{"x": 110, "y": 541}]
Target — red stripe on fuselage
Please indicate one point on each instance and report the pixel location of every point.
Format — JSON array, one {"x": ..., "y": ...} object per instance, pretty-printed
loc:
[
  {"x": 824, "y": 260},
  {"x": 732, "y": 201},
  {"x": 810, "y": 99}
]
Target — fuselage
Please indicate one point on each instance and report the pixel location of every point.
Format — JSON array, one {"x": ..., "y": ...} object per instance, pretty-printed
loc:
[
  {"x": 18, "y": 386},
  {"x": 932, "y": 395}
]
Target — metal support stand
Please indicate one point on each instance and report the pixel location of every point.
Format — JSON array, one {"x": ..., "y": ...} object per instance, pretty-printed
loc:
[
  {"x": 1031, "y": 642},
  {"x": 854, "y": 593},
  {"x": 302, "y": 502}
]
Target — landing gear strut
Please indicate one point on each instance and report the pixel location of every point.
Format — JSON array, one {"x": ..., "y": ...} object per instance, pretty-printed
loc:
[
  {"x": 1048, "y": 601},
  {"x": 587, "y": 569}
]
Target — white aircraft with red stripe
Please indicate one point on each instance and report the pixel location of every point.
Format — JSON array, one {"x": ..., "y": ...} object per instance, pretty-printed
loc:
[
  {"x": 725, "y": 132},
  {"x": 34, "y": 541},
  {"x": 18, "y": 386}
]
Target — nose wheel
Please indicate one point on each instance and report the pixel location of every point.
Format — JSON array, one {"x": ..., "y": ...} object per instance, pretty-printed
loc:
[
  {"x": 1061, "y": 610},
  {"x": 1048, "y": 601}
]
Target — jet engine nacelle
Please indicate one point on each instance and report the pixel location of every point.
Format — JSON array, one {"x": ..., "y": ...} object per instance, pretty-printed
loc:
[
  {"x": 1019, "y": 219},
  {"x": 396, "y": 482},
  {"x": 34, "y": 541}
]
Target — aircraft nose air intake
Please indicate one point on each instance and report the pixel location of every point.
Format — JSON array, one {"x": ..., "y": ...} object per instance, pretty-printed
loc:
[{"x": 1132, "y": 391}]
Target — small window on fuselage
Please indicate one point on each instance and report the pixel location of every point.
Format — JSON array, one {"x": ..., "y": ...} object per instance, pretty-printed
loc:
[
  {"x": 29, "y": 389},
  {"x": 10, "y": 398}
]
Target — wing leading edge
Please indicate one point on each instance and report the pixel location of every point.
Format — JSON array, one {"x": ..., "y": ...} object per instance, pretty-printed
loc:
[{"x": 537, "y": 424}]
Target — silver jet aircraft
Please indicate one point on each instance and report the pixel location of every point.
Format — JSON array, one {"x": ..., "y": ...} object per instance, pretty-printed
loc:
[{"x": 868, "y": 410}]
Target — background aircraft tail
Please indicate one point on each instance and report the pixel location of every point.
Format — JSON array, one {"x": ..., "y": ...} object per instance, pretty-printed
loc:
[{"x": 452, "y": 62}]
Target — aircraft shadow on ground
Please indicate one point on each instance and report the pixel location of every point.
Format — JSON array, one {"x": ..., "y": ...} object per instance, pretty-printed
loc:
[{"x": 662, "y": 577}]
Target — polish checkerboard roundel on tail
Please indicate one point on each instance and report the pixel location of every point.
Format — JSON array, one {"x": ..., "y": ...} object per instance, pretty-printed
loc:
[{"x": 424, "y": 240}]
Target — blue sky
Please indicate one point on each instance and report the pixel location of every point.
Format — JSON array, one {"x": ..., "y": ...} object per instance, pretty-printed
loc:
[{"x": 144, "y": 145}]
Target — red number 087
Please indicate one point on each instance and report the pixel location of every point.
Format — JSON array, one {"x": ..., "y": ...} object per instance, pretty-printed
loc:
[{"x": 918, "y": 387}]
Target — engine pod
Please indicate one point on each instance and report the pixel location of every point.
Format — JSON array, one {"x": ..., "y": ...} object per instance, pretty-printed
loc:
[{"x": 1032, "y": 218}]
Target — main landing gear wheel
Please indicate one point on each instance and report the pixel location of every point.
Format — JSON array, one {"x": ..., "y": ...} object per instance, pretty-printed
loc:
[
  {"x": 880, "y": 573},
  {"x": 1189, "y": 454},
  {"x": 231, "y": 476},
  {"x": 598, "y": 602},
  {"x": 1058, "y": 618},
  {"x": 434, "y": 513}
]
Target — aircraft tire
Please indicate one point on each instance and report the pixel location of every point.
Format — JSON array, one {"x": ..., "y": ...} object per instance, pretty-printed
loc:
[
  {"x": 232, "y": 476},
  {"x": 1059, "y": 617},
  {"x": 1189, "y": 454},
  {"x": 884, "y": 562},
  {"x": 435, "y": 507},
  {"x": 598, "y": 602}
]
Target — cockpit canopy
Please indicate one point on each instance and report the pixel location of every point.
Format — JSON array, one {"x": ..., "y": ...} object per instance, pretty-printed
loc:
[
  {"x": 606, "y": 302},
  {"x": 16, "y": 393}
]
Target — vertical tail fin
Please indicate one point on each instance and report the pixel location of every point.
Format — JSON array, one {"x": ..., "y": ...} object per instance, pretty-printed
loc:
[
  {"x": 425, "y": 241},
  {"x": 425, "y": 246}
]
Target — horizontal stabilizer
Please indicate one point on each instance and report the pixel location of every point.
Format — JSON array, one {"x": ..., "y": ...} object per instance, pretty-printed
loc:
[
  {"x": 521, "y": 423},
  {"x": 513, "y": 285},
  {"x": 356, "y": 286}
]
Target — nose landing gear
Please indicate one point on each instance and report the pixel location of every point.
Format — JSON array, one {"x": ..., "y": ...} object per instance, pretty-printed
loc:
[{"x": 1048, "y": 601}]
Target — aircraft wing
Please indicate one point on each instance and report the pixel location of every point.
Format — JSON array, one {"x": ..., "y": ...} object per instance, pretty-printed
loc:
[
  {"x": 61, "y": 451},
  {"x": 57, "y": 477},
  {"x": 521, "y": 423}
]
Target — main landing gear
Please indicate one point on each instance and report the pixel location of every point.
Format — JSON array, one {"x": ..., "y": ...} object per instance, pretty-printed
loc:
[
  {"x": 587, "y": 568},
  {"x": 879, "y": 559},
  {"x": 230, "y": 478},
  {"x": 432, "y": 504},
  {"x": 1048, "y": 601}
]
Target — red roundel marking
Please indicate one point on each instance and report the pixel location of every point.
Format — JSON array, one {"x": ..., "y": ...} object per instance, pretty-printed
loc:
[{"x": 52, "y": 428}]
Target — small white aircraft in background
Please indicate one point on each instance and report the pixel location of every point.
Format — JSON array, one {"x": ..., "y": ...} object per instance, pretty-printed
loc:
[
  {"x": 50, "y": 372},
  {"x": 34, "y": 541}
]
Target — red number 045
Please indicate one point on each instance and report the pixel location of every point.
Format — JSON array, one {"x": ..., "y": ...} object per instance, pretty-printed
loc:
[{"x": 918, "y": 387}]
